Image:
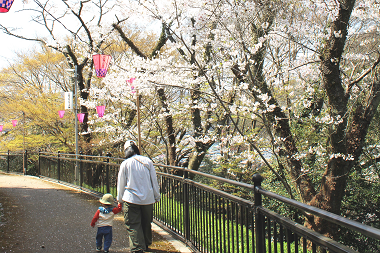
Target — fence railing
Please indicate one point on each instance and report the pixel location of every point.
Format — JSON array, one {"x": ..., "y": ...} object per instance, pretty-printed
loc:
[
  {"x": 205, "y": 218},
  {"x": 13, "y": 161}
]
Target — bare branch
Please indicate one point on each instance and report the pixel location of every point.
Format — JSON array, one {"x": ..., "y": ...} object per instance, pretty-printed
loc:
[
  {"x": 362, "y": 76},
  {"x": 10, "y": 33},
  {"x": 83, "y": 24},
  {"x": 43, "y": 9}
]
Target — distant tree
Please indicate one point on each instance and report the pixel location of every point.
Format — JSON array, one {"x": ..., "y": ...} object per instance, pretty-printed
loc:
[
  {"x": 85, "y": 25},
  {"x": 31, "y": 93}
]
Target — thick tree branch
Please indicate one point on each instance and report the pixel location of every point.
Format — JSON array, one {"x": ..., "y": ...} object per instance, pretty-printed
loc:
[
  {"x": 129, "y": 42},
  {"x": 161, "y": 42}
]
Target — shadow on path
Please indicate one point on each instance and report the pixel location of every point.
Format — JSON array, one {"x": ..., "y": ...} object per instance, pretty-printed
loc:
[{"x": 39, "y": 216}]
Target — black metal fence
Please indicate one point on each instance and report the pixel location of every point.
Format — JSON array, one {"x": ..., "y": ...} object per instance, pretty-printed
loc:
[
  {"x": 207, "y": 219},
  {"x": 94, "y": 173},
  {"x": 13, "y": 161}
]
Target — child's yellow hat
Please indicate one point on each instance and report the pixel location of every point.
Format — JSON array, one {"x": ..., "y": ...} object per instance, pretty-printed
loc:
[{"x": 107, "y": 199}]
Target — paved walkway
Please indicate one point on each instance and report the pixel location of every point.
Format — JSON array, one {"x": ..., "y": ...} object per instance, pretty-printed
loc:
[{"x": 40, "y": 216}]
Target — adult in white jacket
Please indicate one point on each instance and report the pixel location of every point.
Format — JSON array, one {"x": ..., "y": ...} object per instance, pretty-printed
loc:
[{"x": 137, "y": 188}]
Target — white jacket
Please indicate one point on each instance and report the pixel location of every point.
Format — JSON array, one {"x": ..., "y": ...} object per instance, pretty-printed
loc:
[{"x": 137, "y": 181}]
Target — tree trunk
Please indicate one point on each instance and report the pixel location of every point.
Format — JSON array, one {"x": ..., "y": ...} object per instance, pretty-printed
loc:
[
  {"x": 171, "y": 146},
  {"x": 334, "y": 179},
  {"x": 83, "y": 94}
]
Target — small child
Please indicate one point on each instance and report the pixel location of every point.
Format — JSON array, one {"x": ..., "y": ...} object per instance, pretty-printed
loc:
[{"x": 103, "y": 219}]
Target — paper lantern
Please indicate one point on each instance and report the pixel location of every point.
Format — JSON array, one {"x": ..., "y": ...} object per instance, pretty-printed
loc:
[
  {"x": 100, "y": 110},
  {"x": 5, "y": 5},
  {"x": 14, "y": 122},
  {"x": 101, "y": 62},
  {"x": 129, "y": 82},
  {"x": 1, "y": 128},
  {"x": 80, "y": 117},
  {"x": 61, "y": 113}
]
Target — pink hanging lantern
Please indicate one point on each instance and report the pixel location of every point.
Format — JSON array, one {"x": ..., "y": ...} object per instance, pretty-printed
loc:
[
  {"x": 129, "y": 82},
  {"x": 100, "y": 110},
  {"x": 101, "y": 62},
  {"x": 5, "y": 5},
  {"x": 1, "y": 128},
  {"x": 14, "y": 122},
  {"x": 61, "y": 113},
  {"x": 80, "y": 117}
]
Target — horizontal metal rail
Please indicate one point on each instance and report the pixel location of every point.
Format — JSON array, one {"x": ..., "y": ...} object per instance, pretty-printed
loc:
[
  {"x": 83, "y": 160},
  {"x": 306, "y": 232},
  {"x": 221, "y": 179},
  {"x": 331, "y": 217},
  {"x": 206, "y": 218}
]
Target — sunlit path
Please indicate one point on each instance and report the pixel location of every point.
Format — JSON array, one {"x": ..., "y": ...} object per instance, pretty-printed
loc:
[{"x": 46, "y": 217}]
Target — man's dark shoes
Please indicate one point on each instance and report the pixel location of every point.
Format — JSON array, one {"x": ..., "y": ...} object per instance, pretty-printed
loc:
[{"x": 147, "y": 249}]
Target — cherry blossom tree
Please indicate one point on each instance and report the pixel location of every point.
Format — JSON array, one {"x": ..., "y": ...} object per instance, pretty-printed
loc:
[
  {"x": 291, "y": 84},
  {"x": 299, "y": 78}
]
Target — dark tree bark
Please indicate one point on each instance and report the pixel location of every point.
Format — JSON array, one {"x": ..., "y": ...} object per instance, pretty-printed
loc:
[
  {"x": 170, "y": 131},
  {"x": 347, "y": 137},
  {"x": 169, "y": 128}
]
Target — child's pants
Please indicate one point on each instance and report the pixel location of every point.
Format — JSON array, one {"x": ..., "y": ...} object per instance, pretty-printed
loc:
[{"x": 105, "y": 232}]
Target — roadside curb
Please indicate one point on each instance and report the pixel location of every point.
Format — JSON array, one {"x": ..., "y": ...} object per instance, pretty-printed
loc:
[{"x": 178, "y": 245}]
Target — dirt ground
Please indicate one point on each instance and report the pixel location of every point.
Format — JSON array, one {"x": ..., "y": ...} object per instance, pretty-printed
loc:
[{"x": 40, "y": 216}]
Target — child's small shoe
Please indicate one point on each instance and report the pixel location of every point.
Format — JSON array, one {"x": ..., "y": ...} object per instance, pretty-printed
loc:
[
  {"x": 99, "y": 249},
  {"x": 106, "y": 251}
]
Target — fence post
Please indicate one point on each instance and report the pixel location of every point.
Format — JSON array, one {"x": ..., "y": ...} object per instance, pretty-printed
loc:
[
  {"x": 39, "y": 162},
  {"x": 186, "y": 211},
  {"x": 58, "y": 166},
  {"x": 81, "y": 169},
  {"x": 8, "y": 161},
  {"x": 259, "y": 218},
  {"x": 108, "y": 172},
  {"x": 25, "y": 161}
]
